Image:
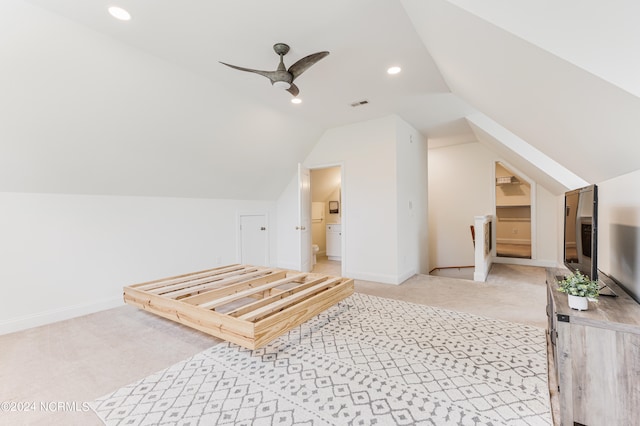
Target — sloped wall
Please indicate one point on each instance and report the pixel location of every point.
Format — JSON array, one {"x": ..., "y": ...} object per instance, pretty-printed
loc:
[{"x": 84, "y": 113}]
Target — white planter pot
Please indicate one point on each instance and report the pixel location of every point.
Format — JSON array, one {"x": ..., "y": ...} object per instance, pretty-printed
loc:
[{"x": 578, "y": 303}]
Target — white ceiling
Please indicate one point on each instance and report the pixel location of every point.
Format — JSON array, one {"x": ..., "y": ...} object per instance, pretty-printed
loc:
[
  {"x": 94, "y": 105},
  {"x": 364, "y": 38}
]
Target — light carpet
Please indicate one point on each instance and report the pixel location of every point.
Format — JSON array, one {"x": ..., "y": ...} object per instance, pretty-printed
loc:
[{"x": 366, "y": 360}]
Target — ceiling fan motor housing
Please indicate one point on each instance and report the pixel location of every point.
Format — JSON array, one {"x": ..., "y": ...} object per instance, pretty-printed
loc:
[{"x": 281, "y": 48}]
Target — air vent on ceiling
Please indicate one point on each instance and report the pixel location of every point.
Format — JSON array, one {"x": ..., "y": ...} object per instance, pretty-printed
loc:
[{"x": 359, "y": 103}]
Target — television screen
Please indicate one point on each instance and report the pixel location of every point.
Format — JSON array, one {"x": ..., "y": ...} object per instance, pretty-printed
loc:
[{"x": 581, "y": 231}]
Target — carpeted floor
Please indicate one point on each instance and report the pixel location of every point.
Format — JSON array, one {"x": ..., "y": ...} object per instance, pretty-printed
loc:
[{"x": 367, "y": 360}]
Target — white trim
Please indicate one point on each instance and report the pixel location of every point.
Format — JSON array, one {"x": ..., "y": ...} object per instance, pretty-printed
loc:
[
  {"x": 378, "y": 278},
  {"x": 405, "y": 276},
  {"x": 479, "y": 276},
  {"x": 533, "y": 209},
  {"x": 47, "y": 317}
]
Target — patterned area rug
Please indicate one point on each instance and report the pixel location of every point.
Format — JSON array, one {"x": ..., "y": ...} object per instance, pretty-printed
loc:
[{"x": 366, "y": 360}]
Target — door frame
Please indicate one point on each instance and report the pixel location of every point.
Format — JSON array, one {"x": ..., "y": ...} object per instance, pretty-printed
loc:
[
  {"x": 494, "y": 230},
  {"x": 303, "y": 228},
  {"x": 239, "y": 216},
  {"x": 343, "y": 220}
]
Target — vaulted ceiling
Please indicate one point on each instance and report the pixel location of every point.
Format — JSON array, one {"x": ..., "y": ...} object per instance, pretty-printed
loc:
[
  {"x": 94, "y": 105},
  {"x": 562, "y": 76}
]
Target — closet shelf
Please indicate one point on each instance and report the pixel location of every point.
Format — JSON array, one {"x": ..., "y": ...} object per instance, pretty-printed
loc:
[{"x": 507, "y": 180}]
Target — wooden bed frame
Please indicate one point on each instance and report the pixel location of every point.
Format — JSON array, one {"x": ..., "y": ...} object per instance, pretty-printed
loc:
[{"x": 246, "y": 305}]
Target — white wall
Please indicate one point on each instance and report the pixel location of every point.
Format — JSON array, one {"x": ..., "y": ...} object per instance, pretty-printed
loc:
[
  {"x": 368, "y": 152},
  {"x": 549, "y": 224},
  {"x": 619, "y": 230},
  {"x": 68, "y": 255},
  {"x": 411, "y": 166},
  {"x": 460, "y": 188},
  {"x": 287, "y": 218},
  {"x": 333, "y": 217},
  {"x": 319, "y": 235},
  {"x": 461, "y": 182}
]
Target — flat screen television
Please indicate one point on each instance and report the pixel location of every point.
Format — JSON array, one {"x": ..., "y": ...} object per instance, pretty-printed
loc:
[
  {"x": 581, "y": 235},
  {"x": 581, "y": 231}
]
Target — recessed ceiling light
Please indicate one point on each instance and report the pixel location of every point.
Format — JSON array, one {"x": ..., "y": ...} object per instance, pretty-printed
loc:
[
  {"x": 296, "y": 101},
  {"x": 394, "y": 70},
  {"x": 119, "y": 13}
]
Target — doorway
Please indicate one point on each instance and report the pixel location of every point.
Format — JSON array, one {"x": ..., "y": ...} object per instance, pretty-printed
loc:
[
  {"x": 326, "y": 220},
  {"x": 254, "y": 239},
  {"x": 513, "y": 214}
]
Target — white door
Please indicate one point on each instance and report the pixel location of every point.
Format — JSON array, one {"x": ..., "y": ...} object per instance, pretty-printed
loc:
[
  {"x": 304, "y": 218},
  {"x": 254, "y": 247}
]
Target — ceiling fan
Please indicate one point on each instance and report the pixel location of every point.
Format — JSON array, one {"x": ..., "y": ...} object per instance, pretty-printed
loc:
[{"x": 283, "y": 77}]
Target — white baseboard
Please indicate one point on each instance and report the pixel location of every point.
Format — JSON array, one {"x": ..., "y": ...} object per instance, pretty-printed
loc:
[
  {"x": 405, "y": 276},
  {"x": 378, "y": 278},
  {"x": 480, "y": 277},
  {"x": 47, "y": 317}
]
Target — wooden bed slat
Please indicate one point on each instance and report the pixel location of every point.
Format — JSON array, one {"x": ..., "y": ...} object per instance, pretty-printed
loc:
[
  {"x": 246, "y": 293},
  {"x": 276, "y": 324},
  {"x": 232, "y": 288},
  {"x": 231, "y": 279},
  {"x": 184, "y": 284},
  {"x": 285, "y": 300},
  {"x": 185, "y": 277},
  {"x": 281, "y": 294}
]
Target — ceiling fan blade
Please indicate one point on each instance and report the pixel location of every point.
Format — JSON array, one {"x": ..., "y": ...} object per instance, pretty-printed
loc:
[
  {"x": 303, "y": 64},
  {"x": 269, "y": 74},
  {"x": 293, "y": 89}
]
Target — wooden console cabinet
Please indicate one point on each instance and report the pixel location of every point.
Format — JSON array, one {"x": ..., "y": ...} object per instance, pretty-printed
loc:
[{"x": 597, "y": 357}]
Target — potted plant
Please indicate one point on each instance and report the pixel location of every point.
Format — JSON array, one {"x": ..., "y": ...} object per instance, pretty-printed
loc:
[{"x": 579, "y": 289}]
